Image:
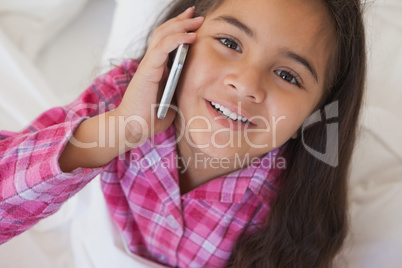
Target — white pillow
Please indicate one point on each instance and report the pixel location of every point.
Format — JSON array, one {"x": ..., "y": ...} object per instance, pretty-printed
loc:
[
  {"x": 24, "y": 92},
  {"x": 131, "y": 24},
  {"x": 375, "y": 195},
  {"x": 384, "y": 28},
  {"x": 31, "y": 24}
]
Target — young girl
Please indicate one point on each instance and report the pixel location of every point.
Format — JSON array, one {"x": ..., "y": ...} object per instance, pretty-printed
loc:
[{"x": 225, "y": 179}]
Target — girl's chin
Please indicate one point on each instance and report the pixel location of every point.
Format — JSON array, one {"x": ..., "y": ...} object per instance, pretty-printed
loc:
[{"x": 212, "y": 148}]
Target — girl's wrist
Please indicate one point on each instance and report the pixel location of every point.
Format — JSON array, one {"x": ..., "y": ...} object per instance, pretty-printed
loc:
[{"x": 129, "y": 131}]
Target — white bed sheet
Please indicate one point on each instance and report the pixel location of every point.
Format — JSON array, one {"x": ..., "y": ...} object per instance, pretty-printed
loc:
[
  {"x": 81, "y": 234},
  {"x": 20, "y": 100}
]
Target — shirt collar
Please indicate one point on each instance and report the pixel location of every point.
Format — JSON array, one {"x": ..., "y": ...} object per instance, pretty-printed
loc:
[{"x": 260, "y": 177}]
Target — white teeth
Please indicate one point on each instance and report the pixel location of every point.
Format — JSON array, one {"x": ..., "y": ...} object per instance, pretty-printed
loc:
[
  {"x": 233, "y": 116},
  {"x": 226, "y": 112},
  {"x": 229, "y": 113}
]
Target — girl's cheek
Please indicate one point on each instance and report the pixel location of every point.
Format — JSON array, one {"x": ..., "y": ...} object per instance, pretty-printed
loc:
[{"x": 200, "y": 66}]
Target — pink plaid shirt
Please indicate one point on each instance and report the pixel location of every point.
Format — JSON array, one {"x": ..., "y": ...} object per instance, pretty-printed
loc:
[{"x": 141, "y": 188}]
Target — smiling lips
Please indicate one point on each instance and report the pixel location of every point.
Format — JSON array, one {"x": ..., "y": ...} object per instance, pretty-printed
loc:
[{"x": 228, "y": 113}]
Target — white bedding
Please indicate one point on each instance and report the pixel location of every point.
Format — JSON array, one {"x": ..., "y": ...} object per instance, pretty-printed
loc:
[{"x": 81, "y": 235}]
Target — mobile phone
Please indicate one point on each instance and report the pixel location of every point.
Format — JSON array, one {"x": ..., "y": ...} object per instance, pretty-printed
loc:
[{"x": 172, "y": 81}]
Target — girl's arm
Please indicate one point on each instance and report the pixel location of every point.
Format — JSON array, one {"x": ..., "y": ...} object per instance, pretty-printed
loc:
[
  {"x": 34, "y": 163},
  {"x": 32, "y": 185}
]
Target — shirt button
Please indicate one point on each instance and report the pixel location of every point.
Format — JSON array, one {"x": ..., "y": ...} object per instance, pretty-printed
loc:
[{"x": 171, "y": 221}]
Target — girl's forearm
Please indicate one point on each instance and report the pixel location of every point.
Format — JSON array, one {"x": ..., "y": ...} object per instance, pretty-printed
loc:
[{"x": 98, "y": 140}]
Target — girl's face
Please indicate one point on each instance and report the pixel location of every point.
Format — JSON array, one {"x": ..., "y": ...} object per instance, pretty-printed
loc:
[{"x": 264, "y": 61}]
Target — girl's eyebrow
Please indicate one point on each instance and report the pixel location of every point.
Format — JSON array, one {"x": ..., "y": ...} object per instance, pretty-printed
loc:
[
  {"x": 238, "y": 24},
  {"x": 305, "y": 62}
]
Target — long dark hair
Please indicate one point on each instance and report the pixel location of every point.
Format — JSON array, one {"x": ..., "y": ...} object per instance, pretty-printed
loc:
[{"x": 308, "y": 219}]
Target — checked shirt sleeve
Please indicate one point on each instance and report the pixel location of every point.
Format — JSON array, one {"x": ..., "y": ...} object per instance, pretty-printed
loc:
[{"x": 32, "y": 186}]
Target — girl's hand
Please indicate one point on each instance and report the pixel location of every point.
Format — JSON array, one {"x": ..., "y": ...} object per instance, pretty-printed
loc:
[{"x": 139, "y": 104}]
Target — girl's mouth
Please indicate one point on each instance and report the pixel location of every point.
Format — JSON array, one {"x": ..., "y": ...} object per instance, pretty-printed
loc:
[{"x": 220, "y": 109}]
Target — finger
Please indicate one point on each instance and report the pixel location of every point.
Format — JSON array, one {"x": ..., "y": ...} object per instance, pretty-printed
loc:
[
  {"x": 161, "y": 51},
  {"x": 188, "y": 13},
  {"x": 181, "y": 26}
]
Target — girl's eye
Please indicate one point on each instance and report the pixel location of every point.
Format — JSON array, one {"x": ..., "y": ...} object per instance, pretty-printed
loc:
[
  {"x": 288, "y": 77},
  {"x": 230, "y": 43}
]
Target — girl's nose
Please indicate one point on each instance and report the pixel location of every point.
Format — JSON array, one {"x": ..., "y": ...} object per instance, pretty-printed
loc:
[{"x": 248, "y": 82}]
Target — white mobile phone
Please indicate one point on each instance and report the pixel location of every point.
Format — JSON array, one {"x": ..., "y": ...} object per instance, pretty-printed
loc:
[{"x": 172, "y": 81}]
